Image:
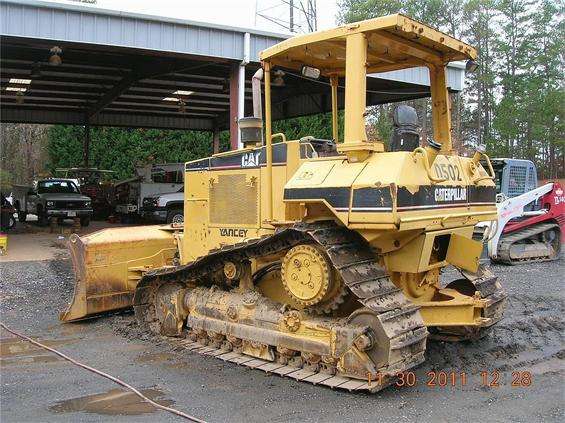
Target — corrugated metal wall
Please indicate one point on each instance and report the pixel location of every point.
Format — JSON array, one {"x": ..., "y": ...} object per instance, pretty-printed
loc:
[
  {"x": 420, "y": 76},
  {"x": 36, "y": 19}
]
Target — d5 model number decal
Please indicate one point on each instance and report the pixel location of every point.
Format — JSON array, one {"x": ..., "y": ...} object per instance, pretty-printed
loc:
[{"x": 448, "y": 171}]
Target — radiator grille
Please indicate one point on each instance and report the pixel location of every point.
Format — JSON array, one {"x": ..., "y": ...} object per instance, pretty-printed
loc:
[
  {"x": 69, "y": 204},
  {"x": 234, "y": 201},
  {"x": 532, "y": 183}
]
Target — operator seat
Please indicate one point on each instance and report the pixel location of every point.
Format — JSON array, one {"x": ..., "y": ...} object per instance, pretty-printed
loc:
[{"x": 406, "y": 132}]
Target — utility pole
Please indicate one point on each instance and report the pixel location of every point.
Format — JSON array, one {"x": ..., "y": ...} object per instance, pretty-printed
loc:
[
  {"x": 291, "y": 4},
  {"x": 295, "y": 16}
]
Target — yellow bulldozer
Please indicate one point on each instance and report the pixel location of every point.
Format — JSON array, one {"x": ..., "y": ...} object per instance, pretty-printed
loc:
[{"x": 317, "y": 259}]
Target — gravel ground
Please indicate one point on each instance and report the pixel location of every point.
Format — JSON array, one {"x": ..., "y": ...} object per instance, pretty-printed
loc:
[{"x": 37, "y": 386}]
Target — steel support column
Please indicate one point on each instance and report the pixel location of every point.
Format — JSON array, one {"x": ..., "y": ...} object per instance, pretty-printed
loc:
[
  {"x": 234, "y": 103},
  {"x": 216, "y": 140},
  {"x": 86, "y": 144},
  {"x": 241, "y": 78},
  {"x": 240, "y": 100}
]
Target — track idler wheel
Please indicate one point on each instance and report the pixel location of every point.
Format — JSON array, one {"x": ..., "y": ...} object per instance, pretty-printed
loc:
[
  {"x": 159, "y": 306},
  {"x": 376, "y": 338}
]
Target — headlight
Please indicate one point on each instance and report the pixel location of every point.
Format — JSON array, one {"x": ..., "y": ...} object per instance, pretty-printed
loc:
[
  {"x": 87, "y": 204},
  {"x": 50, "y": 203}
]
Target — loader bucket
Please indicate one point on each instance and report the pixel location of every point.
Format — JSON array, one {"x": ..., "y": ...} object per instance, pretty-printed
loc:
[{"x": 109, "y": 263}]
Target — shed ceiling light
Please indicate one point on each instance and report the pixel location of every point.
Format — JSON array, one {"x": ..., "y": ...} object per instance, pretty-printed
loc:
[
  {"x": 20, "y": 81},
  {"x": 16, "y": 89},
  {"x": 55, "y": 58},
  {"x": 179, "y": 93}
]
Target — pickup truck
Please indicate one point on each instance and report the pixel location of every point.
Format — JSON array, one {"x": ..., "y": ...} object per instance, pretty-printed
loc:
[
  {"x": 150, "y": 181},
  {"x": 54, "y": 197},
  {"x": 168, "y": 207}
]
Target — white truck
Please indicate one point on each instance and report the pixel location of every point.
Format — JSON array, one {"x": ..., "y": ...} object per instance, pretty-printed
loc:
[
  {"x": 168, "y": 207},
  {"x": 150, "y": 181}
]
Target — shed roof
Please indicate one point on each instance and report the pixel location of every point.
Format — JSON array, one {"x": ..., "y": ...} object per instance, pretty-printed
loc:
[{"x": 119, "y": 69}]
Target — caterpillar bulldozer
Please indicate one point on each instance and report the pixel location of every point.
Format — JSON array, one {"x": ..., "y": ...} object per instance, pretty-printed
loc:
[{"x": 316, "y": 259}]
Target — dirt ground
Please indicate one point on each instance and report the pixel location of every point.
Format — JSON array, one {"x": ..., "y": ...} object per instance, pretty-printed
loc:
[
  {"x": 37, "y": 386},
  {"x": 30, "y": 242}
]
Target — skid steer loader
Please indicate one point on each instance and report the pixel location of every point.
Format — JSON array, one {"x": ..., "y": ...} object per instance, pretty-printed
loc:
[
  {"x": 531, "y": 218},
  {"x": 316, "y": 259}
]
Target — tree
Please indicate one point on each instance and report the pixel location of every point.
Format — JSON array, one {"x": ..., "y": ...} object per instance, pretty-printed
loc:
[
  {"x": 433, "y": 12},
  {"x": 545, "y": 89},
  {"x": 479, "y": 18},
  {"x": 23, "y": 151},
  {"x": 515, "y": 102},
  {"x": 122, "y": 149}
]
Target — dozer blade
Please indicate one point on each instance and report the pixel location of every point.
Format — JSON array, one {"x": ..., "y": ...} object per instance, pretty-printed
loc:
[{"x": 109, "y": 263}]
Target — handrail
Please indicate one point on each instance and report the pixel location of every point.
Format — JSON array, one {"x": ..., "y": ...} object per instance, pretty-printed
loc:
[
  {"x": 427, "y": 164},
  {"x": 279, "y": 135},
  {"x": 473, "y": 167},
  {"x": 451, "y": 216}
]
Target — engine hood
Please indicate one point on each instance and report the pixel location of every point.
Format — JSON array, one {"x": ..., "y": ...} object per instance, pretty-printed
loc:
[{"x": 64, "y": 197}]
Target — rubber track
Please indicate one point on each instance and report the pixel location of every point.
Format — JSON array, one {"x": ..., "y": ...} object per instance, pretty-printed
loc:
[
  {"x": 507, "y": 241},
  {"x": 358, "y": 266}
]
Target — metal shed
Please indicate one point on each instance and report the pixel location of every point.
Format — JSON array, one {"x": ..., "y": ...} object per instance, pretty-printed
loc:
[{"x": 126, "y": 69}]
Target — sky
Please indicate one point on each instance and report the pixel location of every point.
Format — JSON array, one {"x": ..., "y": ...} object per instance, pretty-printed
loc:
[{"x": 226, "y": 12}]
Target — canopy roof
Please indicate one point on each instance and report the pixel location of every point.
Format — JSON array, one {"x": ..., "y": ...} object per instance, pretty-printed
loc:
[{"x": 394, "y": 42}]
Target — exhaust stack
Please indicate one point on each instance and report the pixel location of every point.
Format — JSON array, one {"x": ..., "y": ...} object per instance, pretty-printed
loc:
[
  {"x": 251, "y": 127},
  {"x": 256, "y": 89}
]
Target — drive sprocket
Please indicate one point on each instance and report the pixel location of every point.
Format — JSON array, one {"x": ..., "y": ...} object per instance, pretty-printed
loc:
[{"x": 306, "y": 274}]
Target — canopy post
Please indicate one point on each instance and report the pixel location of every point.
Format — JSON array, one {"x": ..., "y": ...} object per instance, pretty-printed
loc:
[
  {"x": 355, "y": 144},
  {"x": 335, "y": 129},
  {"x": 441, "y": 115},
  {"x": 355, "y": 88},
  {"x": 268, "y": 141}
]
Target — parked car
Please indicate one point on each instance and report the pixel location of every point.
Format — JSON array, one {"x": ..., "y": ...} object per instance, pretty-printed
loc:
[
  {"x": 150, "y": 181},
  {"x": 52, "y": 197},
  {"x": 96, "y": 184},
  {"x": 7, "y": 210},
  {"x": 168, "y": 207}
]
